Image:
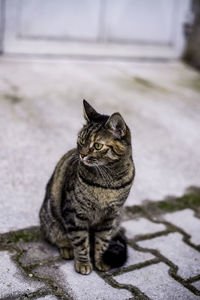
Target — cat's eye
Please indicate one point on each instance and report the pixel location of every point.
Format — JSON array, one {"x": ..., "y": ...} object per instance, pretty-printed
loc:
[{"x": 98, "y": 146}]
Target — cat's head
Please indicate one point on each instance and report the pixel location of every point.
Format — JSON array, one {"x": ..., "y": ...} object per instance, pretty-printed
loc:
[{"x": 103, "y": 139}]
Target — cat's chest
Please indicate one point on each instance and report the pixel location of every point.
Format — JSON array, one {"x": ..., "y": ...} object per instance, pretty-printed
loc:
[
  {"x": 105, "y": 198},
  {"x": 96, "y": 203},
  {"x": 100, "y": 198},
  {"x": 99, "y": 204}
]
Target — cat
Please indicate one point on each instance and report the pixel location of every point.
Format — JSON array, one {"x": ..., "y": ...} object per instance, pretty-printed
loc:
[{"x": 84, "y": 197}]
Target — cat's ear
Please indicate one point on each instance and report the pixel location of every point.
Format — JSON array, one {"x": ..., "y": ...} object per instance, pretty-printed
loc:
[
  {"x": 89, "y": 112},
  {"x": 116, "y": 124}
]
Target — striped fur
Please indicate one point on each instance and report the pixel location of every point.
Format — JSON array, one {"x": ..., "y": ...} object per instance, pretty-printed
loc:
[{"x": 84, "y": 197}]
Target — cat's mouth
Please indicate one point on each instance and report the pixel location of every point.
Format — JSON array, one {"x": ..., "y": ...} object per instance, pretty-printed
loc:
[
  {"x": 88, "y": 163},
  {"x": 91, "y": 162}
]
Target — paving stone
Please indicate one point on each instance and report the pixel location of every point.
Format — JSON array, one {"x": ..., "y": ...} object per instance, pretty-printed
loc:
[
  {"x": 172, "y": 247},
  {"x": 136, "y": 257},
  {"x": 197, "y": 285},
  {"x": 186, "y": 220},
  {"x": 91, "y": 286},
  {"x": 156, "y": 283},
  {"x": 48, "y": 297},
  {"x": 141, "y": 226},
  {"x": 36, "y": 252},
  {"x": 81, "y": 287},
  {"x": 12, "y": 282}
]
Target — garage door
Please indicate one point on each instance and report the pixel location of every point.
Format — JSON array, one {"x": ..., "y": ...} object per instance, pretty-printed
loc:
[{"x": 113, "y": 28}]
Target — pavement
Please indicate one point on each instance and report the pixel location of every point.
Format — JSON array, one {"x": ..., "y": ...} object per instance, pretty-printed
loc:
[{"x": 40, "y": 115}]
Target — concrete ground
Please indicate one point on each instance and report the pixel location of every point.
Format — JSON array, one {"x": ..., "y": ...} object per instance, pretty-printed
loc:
[{"x": 40, "y": 115}]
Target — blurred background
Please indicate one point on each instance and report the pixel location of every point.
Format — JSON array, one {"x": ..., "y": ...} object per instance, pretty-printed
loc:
[{"x": 120, "y": 55}]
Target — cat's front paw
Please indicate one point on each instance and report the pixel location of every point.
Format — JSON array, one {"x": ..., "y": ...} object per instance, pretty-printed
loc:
[
  {"x": 101, "y": 266},
  {"x": 84, "y": 268}
]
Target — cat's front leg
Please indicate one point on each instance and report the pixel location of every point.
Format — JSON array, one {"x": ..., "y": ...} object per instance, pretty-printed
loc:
[
  {"x": 103, "y": 235},
  {"x": 80, "y": 240}
]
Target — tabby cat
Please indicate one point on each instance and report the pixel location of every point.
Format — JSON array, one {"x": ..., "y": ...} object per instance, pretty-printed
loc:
[{"x": 84, "y": 196}]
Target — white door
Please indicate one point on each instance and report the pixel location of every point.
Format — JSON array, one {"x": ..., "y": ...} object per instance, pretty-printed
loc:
[{"x": 116, "y": 28}]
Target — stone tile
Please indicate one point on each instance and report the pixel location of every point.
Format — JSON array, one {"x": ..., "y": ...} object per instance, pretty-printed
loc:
[
  {"x": 186, "y": 220},
  {"x": 136, "y": 257},
  {"x": 91, "y": 286},
  {"x": 141, "y": 226},
  {"x": 197, "y": 285},
  {"x": 172, "y": 247},
  {"x": 36, "y": 252},
  {"x": 12, "y": 282},
  {"x": 156, "y": 283},
  {"x": 48, "y": 297},
  {"x": 81, "y": 287}
]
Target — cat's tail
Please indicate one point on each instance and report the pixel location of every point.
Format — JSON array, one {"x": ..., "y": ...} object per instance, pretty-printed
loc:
[{"x": 116, "y": 254}]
